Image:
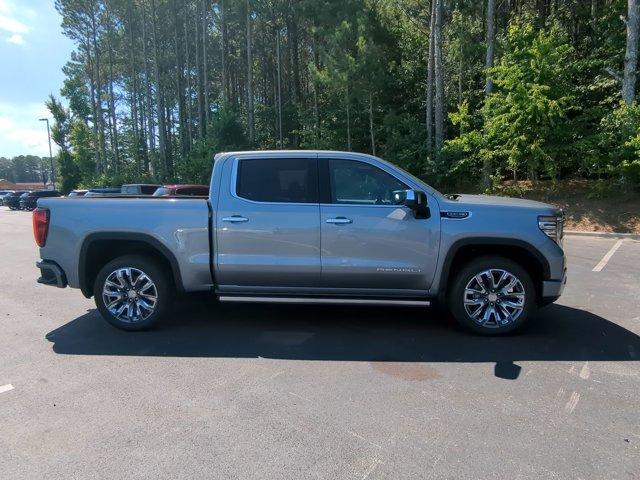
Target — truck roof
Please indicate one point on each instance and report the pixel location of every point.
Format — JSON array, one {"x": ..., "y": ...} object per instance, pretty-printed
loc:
[{"x": 293, "y": 152}]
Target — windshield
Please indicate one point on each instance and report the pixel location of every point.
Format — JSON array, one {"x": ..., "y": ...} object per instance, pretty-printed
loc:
[
  {"x": 148, "y": 189},
  {"x": 161, "y": 191}
]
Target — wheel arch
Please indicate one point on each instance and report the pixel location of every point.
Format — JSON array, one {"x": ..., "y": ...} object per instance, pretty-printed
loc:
[
  {"x": 519, "y": 251},
  {"x": 101, "y": 247}
]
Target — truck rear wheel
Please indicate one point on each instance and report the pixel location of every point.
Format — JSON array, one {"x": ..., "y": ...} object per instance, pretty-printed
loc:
[
  {"x": 132, "y": 292},
  {"x": 492, "y": 295}
]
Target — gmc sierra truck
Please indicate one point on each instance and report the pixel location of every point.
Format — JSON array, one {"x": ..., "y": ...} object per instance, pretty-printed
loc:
[{"x": 316, "y": 227}]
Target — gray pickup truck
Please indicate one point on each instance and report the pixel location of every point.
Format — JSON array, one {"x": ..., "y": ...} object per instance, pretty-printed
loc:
[{"x": 315, "y": 227}]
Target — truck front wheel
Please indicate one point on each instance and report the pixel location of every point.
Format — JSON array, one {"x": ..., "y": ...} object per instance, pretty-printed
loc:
[
  {"x": 492, "y": 295},
  {"x": 132, "y": 292}
]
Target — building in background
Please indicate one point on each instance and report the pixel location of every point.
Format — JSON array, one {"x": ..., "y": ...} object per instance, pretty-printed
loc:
[{"x": 7, "y": 185}]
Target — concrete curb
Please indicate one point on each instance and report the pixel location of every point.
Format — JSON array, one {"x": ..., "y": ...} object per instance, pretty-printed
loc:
[{"x": 630, "y": 236}]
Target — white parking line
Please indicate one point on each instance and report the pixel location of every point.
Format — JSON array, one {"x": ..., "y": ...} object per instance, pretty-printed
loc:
[
  {"x": 607, "y": 256},
  {"x": 6, "y": 388}
]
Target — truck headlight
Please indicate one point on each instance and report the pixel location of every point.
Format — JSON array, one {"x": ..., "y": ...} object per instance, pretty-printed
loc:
[{"x": 552, "y": 226}]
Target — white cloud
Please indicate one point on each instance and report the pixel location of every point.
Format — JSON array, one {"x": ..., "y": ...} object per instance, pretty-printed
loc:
[
  {"x": 21, "y": 132},
  {"x": 12, "y": 25},
  {"x": 16, "y": 39}
]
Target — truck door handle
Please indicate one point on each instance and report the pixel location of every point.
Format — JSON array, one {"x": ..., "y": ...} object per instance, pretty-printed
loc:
[
  {"x": 235, "y": 219},
  {"x": 339, "y": 220}
]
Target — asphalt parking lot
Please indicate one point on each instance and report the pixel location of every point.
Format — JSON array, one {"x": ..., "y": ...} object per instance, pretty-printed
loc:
[{"x": 269, "y": 392}]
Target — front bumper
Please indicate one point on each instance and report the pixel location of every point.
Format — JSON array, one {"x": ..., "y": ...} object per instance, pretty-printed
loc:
[
  {"x": 554, "y": 288},
  {"x": 51, "y": 274}
]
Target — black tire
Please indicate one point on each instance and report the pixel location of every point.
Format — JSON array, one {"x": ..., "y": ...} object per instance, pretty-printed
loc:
[
  {"x": 493, "y": 326},
  {"x": 162, "y": 285}
]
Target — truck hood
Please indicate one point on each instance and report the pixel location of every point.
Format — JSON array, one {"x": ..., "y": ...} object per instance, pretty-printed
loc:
[{"x": 492, "y": 200}]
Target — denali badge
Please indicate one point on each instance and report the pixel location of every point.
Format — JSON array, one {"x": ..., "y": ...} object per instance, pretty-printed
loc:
[{"x": 398, "y": 270}]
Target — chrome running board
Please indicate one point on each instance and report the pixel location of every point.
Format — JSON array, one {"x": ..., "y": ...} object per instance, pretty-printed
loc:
[{"x": 326, "y": 301}]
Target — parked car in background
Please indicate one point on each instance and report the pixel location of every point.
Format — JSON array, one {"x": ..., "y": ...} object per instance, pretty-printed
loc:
[
  {"x": 77, "y": 193},
  {"x": 20, "y": 198},
  {"x": 29, "y": 201},
  {"x": 13, "y": 199},
  {"x": 139, "y": 189},
  {"x": 182, "y": 190},
  {"x": 3, "y": 194},
  {"x": 102, "y": 192}
]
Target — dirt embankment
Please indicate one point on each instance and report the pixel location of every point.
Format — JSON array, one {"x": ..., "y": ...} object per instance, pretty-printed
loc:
[{"x": 589, "y": 206}]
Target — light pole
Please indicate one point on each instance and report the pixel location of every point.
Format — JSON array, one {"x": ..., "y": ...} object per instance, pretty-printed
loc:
[{"x": 53, "y": 174}]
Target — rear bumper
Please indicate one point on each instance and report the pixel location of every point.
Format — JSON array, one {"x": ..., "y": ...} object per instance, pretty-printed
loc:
[
  {"x": 554, "y": 288},
  {"x": 51, "y": 274}
]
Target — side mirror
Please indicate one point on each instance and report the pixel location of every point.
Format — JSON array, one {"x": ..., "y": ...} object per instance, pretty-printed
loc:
[{"x": 414, "y": 200}]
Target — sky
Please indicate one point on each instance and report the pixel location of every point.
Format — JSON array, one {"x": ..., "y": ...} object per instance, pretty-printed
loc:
[{"x": 32, "y": 54}]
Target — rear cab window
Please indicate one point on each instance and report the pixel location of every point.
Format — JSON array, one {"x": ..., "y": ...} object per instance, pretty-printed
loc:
[{"x": 287, "y": 180}]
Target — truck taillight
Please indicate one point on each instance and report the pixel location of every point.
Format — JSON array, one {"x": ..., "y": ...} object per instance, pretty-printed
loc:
[{"x": 40, "y": 225}]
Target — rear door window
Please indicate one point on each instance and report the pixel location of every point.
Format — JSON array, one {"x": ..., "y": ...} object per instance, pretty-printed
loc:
[{"x": 278, "y": 180}]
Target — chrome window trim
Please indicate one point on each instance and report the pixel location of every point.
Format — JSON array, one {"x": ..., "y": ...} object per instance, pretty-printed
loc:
[
  {"x": 373, "y": 164},
  {"x": 235, "y": 158},
  {"x": 234, "y": 183},
  {"x": 360, "y": 205}
]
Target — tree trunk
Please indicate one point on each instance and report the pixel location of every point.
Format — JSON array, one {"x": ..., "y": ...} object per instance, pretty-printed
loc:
[
  {"x": 488, "y": 64},
  {"x": 430, "y": 68},
  {"x": 188, "y": 75},
  {"x": 162, "y": 129},
  {"x": 542, "y": 7},
  {"x": 249, "y": 77},
  {"x": 373, "y": 138},
  {"x": 182, "y": 134},
  {"x": 631, "y": 55},
  {"x": 149, "y": 166},
  {"x": 490, "y": 39},
  {"x": 316, "y": 109},
  {"x": 96, "y": 56},
  {"x": 133, "y": 99},
  {"x": 205, "y": 73},
  {"x": 279, "y": 88},
  {"x": 348, "y": 104},
  {"x": 460, "y": 73},
  {"x": 143, "y": 135},
  {"x": 94, "y": 109},
  {"x": 225, "y": 73},
  {"x": 112, "y": 103},
  {"x": 292, "y": 33},
  {"x": 202, "y": 120},
  {"x": 439, "y": 79}
]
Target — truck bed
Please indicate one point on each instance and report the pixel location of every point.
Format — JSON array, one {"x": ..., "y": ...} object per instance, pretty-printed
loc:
[{"x": 179, "y": 225}]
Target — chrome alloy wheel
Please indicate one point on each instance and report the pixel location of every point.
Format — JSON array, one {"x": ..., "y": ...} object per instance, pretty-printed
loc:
[
  {"x": 129, "y": 294},
  {"x": 494, "y": 298}
]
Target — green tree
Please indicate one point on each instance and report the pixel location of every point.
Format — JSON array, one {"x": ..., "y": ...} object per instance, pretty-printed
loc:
[{"x": 61, "y": 133}]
